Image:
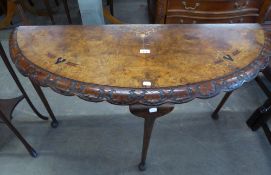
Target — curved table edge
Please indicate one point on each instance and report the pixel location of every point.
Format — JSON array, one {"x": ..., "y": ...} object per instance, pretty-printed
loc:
[{"x": 144, "y": 96}]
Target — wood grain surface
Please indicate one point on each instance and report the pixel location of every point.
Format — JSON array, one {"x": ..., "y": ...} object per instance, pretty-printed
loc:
[{"x": 198, "y": 60}]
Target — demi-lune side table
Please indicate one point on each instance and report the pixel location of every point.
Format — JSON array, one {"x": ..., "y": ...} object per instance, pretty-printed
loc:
[{"x": 146, "y": 67}]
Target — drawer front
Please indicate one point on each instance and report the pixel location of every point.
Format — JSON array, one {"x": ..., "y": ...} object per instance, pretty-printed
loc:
[
  {"x": 213, "y": 5},
  {"x": 188, "y": 20}
]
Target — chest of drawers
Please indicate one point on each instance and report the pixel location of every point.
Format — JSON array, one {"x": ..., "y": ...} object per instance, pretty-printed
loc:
[{"x": 208, "y": 11}]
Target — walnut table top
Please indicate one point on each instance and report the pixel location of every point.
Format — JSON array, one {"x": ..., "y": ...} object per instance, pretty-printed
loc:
[{"x": 141, "y": 64}]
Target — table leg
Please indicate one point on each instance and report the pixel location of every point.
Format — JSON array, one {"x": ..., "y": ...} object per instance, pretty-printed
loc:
[
  {"x": 65, "y": 3},
  {"x": 26, "y": 6},
  {"x": 14, "y": 76},
  {"x": 260, "y": 116},
  {"x": 111, "y": 5},
  {"x": 259, "y": 119},
  {"x": 215, "y": 115},
  {"x": 49, "y": 10},
  {"x": 265, "y": 89},
  {"x": 31, "y": 151},
  {"x": 57, "y": 3},
  {"x": 31, "y": 2},
  {"x": 3, "y": 7},
  {"x": 150, "y": 114},
  {"x": 148, "y": 126},
  {"x": 7, "y": 106},
  {"x": 54, "y": 123},
  {"x": 267, "y": 132},
  {"x": 11, "y": 9},
  {"x": 22, "y": 15}
]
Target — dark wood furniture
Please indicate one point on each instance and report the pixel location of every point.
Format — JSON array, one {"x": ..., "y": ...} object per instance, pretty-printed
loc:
[
  {"x": 260, "y": 118},
  {"x": 49, "y": 9},
  {"x": 110, "y": 3},
  {"x": 20, "y": 6},
  {"x": 146, "y": 69},
  {"x": 6, "y": 108},
  {"x": 208, "y": 11},
  {"x": 8, "y": 105},
  {"x": 217, "y": 11},
  {"x": 261, "y": 115},
  {"x": 9, "y": 8}
]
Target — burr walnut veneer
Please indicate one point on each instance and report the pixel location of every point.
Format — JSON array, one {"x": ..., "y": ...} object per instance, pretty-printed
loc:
[{"x": 148, "y": 67}]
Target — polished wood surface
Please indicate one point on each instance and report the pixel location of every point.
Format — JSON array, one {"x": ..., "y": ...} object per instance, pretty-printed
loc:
[
  {"x": 208, "y": 11},
  {"x": 106, "y": 63},
  {"x": 195, "y": 53},
  {"x": 194, "y": 60}
]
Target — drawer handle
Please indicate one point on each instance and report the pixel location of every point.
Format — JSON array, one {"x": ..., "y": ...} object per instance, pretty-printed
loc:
[
  {"x": 240, "y": 21},
  {"x": 182, "y": 21},
  {"x": 191, "y": 8},
  {"x": 241, "y": 6}
]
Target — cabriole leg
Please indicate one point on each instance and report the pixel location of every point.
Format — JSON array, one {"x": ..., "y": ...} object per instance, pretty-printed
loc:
[
  {"x": 148, "y": 126},
  {"x": 54, "y": 123},
  {"x": 150, "y": 114}
]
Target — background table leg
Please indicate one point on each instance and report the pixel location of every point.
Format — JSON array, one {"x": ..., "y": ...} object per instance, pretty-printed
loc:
[
  {"x": 259, "y": 119},
  {"x": 267, "y": 132},
  {"x": 111, "y": 6},
  {"x": 8, "y": 105},
  {"x": 49, "y": 10},
  {"x": 215, "y": 115},
  {"x": 31, "y": 151},
  {"x": 57, "y": 3},
  {"x": 31, "y": 2},
  {"x": 22, "y": 15},
  {"x": 65, "y": 3},
  {"x": 11, "y": 9},
  {"x": 54, "y": 123},
  {"x": 14, "y": 76},
  {"x": 260, "y": 116}
]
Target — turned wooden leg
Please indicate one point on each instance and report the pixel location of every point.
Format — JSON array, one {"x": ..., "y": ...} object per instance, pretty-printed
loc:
[
  {"x": 215, "y": 115},
  {"x": 150, "y": 114}
]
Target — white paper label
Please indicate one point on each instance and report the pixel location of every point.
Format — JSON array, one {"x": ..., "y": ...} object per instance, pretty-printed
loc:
[
  {"x": 153, "y": 110},
  {"x": 144, "y": 51},
  {"x": 146, "y": 83}
]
